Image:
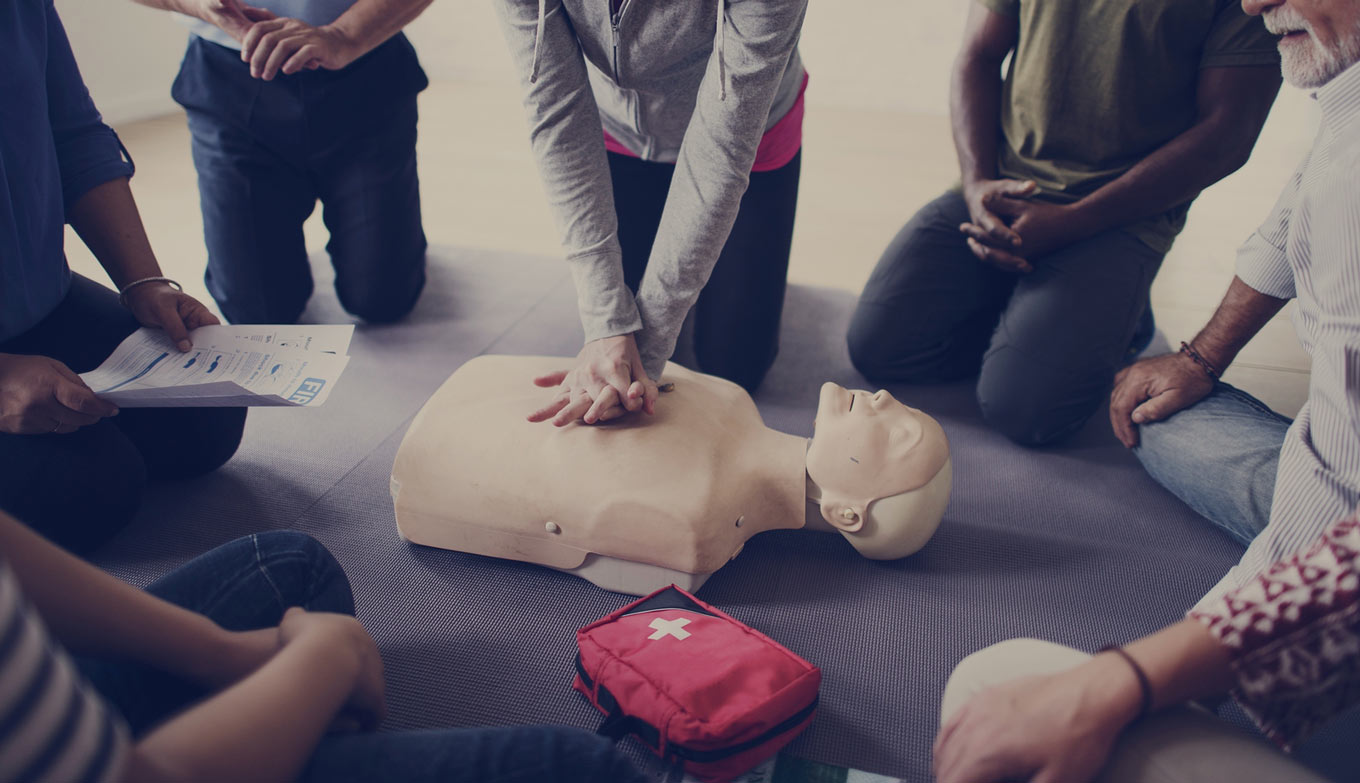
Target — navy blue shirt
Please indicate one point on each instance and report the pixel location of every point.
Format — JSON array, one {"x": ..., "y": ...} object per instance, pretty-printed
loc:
[{"x": 53, "y": 149}]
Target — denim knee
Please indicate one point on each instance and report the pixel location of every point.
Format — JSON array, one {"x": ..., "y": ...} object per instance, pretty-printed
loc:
[
  {"x": 386, "y": 300},
  {"x": 303, "y": 572},
  {"x": 1026, "y": 411},
  {"x": 375, "y": 307},
  {"x": 868, "y": 349}
]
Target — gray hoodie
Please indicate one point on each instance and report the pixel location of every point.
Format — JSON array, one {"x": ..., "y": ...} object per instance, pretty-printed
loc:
[{"x": 696, "y": 82}]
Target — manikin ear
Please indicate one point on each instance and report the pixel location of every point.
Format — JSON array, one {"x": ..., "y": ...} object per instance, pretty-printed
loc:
[{"x": 844, "y": 516}]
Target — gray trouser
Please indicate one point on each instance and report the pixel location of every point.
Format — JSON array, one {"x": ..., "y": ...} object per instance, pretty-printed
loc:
[
  {"x": 1045, "y": 345},
  {"x": 1179, "y": 745}
]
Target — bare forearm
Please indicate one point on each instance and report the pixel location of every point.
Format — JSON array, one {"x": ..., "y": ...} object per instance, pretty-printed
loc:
[
  {"x": 1174, "y": 174},
  {"x": 264, "y": 728},
  {"x": 108, "y": 222},
  {"x": 1183, "y": 663},
  {"x": 1234, "y": 106},
  {"x": 93, "y": 613},
  {"x": 975, "y": 112},
  {"x": 368, "y": 23},
  {"x": 1240, "y": 315}
]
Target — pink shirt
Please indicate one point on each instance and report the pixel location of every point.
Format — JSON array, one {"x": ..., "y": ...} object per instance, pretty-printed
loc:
[{"x": 777, "y": 147}]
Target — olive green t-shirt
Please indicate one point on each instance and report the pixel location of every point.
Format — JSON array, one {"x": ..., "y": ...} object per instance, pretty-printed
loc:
[{"x": 1094, "y": 86}]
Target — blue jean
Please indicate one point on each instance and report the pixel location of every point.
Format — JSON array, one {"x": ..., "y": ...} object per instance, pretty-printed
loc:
[
  {"x": 265, "y": 152},
  {"x": 249, "y": 583},
  {"x": 1219, "y": 456}
]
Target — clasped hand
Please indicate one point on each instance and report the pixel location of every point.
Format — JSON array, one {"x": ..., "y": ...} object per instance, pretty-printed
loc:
[
  {"x": 608, "y": 381},
  {"x": 1009, "y": 229},
  {"x": 273, "y": 44}
]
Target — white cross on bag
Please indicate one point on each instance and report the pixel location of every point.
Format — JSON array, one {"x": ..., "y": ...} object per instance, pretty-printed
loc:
[{"x": 666, "y": 628}]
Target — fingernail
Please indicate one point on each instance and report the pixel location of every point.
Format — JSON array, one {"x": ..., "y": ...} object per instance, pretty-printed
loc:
[{"x": 185, "y": 345}]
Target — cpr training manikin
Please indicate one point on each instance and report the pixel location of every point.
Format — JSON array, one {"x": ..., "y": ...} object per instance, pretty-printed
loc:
[{"x": 648, "y": 501}]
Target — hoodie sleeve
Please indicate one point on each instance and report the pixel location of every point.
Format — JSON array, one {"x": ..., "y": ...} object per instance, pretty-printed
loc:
[
  {"x": 750, "y": 53},
  {"x": 564, "y": 131}
]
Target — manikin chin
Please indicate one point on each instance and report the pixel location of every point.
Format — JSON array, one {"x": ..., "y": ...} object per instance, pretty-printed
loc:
[{"x": 648, "y": 501}]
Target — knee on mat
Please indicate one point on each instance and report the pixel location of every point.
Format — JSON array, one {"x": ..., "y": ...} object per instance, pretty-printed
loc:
[
  {"x": 884, "y": 361},
  {"x": 261, "y": 312},
  {"x": 866, "y": 347},
  {"x": 211, "y": 438},
  {"x": 382, "y": 307},
  {"x": 1025, "y": 412},
  {"x": 304, "y": 572}
]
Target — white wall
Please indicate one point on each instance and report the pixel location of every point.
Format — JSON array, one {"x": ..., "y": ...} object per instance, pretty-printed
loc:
[
  {"x": 884, "y": 54},
  {"x": 881, "y": 54},
  {"x": 127, "y": 53}
]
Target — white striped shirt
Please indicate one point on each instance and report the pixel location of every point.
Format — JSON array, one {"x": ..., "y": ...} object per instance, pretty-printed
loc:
[
  {"x": 53, "y": 727},
  {"x": 1309, "y": 249}
]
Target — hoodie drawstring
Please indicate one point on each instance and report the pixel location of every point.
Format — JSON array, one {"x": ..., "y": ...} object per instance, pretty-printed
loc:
[
  {"x": 538, "y": 38},
  {"x": 722, "y": 46}
]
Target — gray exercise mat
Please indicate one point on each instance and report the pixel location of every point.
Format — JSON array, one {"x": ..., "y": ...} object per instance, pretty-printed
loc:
[{"x": 1076, "y": 544}]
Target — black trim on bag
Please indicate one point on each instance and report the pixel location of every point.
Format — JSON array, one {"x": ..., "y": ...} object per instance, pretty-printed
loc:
[
  {"x": 670, "y": 598},
  {"x": 616, "y": 725}
]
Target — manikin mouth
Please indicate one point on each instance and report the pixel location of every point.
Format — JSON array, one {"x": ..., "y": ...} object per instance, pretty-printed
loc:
[{"x": 852, "y": 401}]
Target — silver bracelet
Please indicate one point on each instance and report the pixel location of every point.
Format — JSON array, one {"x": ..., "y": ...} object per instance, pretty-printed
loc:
[{"x": 122, "y": 292}]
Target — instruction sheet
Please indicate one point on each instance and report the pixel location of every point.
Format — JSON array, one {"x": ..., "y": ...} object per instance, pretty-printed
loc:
[{"x": 228, "y": 366}]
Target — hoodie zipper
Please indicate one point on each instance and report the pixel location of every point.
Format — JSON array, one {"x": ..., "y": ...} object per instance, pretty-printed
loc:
[{"x": 617, "y": 7}]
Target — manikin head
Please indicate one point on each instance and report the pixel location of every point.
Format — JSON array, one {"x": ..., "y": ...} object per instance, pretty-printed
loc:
[
  {"x": 881, "y": 471},
  {"x": 1319, "y": 38}
]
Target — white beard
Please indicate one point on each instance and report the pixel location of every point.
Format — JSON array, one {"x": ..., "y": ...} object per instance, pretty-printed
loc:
[{"x": 1304, "y": 61}]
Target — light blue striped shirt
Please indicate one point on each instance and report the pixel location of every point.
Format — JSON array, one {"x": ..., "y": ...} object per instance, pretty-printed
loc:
[
  {"x": 53, "y": 727},
  {"x": 1309, "y": 249},
  {"x": 313, "y": 12}
]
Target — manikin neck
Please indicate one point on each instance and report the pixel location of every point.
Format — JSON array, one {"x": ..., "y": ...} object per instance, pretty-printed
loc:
[
  {"x": 811, "y": 493},
  {"x": 783, "y": 469}
]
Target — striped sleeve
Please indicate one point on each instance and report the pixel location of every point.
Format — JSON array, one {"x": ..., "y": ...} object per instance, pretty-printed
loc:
[
  {"x": 1262, "y": 262},
  {"x": 1293, "y": 634},
  {"x": 53, "y": 727}
]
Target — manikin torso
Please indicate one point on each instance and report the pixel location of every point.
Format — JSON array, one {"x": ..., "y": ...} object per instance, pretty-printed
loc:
[{"x": 633, "y": 505}]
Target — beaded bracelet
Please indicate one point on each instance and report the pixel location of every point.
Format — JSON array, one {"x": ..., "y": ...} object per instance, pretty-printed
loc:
[
  {"x": 1144, "y": 684},
  {"x": 122, "y": 292},
  {"x": 1200, "y": 360}
]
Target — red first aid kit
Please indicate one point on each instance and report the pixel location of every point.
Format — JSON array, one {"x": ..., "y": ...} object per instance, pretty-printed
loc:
[{"x": 694, "y": 685}]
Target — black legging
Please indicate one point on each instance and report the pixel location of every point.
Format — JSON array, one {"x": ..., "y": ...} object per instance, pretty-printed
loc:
[
  {"x": 736, "y": 320},
  {"x": 81, "y": 488}
]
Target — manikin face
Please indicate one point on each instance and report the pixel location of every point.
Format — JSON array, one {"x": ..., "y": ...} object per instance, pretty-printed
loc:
[
  {"x": 1319, "y": 38},
  {"x": 869, "y": 446}
]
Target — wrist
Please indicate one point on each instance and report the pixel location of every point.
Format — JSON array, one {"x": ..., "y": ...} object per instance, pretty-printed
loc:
[
  {"x": 350, "y": 45},
  {"x": 338, "y": 641},
  {"x": 1117, "y": 693},
  {"x": 1082, "y": 218},
  {"x": 1189, "y": 352}
]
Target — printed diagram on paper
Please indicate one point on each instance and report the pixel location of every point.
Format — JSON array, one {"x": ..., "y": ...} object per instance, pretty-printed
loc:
[{"x": 228, "y": 366}]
